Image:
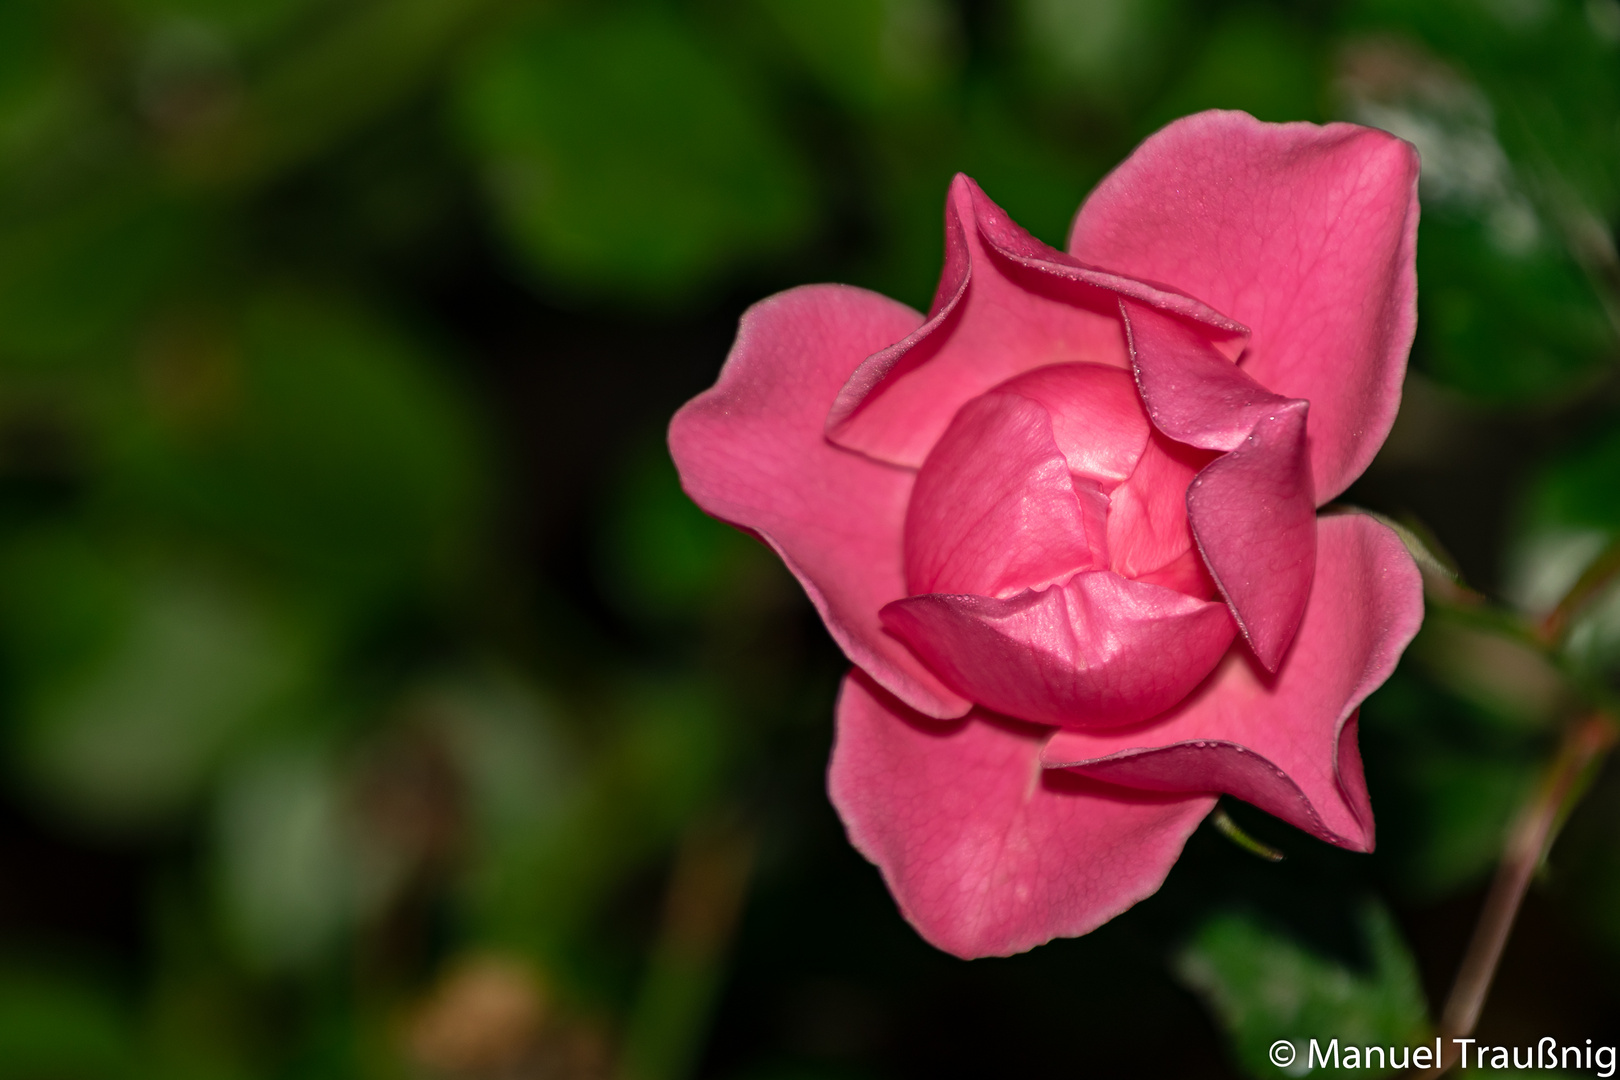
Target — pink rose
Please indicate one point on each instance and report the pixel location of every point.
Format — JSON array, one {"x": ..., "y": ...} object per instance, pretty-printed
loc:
[{"x": 1065, "y": 526}]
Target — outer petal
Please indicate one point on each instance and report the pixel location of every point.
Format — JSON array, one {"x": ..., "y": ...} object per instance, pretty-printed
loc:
[
  {"x": 751, "y": 451},
  {"x": 1286, "y": 743},
  {"x": 1306, "y": 234},
  {"x": 1006, "y": 304},
  {"x": 1251, "y": 509},
  {"x": 986, "y": 854},
  {"x": 995, "y": 511},
  {"x": 1097, "y": 651}
]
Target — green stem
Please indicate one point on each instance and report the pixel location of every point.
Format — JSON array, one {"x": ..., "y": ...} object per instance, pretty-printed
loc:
[
  {"x": 672, "y": 1008},
  {"x": 1581, "y": 751}
]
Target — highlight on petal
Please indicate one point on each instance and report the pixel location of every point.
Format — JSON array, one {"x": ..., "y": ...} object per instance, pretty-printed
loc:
[
  {"x": 1284, "y": 742},
  {"x": 1307, "y": 235},
  {"x": 1098, "y": 420},
  {"x": 1096, "y": 651},
  {"x": 986, "y": 853},
  {"x": 995, "y": 511},
  {"x": 1251, "y": 510},
  {"x": 751, "y": 451},
  {"x": 1006, "y": 304}
]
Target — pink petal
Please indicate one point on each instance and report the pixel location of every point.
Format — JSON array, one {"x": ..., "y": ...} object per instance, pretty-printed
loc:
[
  {"x": 1284, "y": 742},
  {"x": 1097, "y": 416},
  {"x": 1006, "y": 304},
  {"x": 1097, "y": 651},
  {"x": 985, "y": 853},
  {"x": 1305, "y": 234},
  {"x": 751, "y": 451},
  {"x": 1148, "y": 535},
  {"x": 1251, "y": 509},
  {"x": 994, "y": 510}
]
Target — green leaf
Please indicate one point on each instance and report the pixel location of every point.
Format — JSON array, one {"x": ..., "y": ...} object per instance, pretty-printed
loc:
[
  {"x": 624, "y": 158},
  {"x": 312, "y": 434},
  {"x": 137, "y": 677},
  {"x": 74, "y": 279},
  {"x": 661, "y": 557},
  {"x": 1253, "y": 60},
  {"x": 1518, "y": 168},
  {"x": 290, "y": 871},
  {"x": 1446, "y": 777},
  {"x": 1505, "y": 319},
  {"x": 1108, "y": 50},
  {"x": 55, "y": 1025},
  {"x": 1265, "y": 986},
  {"x": 874, "y": 55}
]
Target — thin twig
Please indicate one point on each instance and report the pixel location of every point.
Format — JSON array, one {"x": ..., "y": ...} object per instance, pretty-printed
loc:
[
  {"x": 1602, "y": 572},
  {"x": 1582, "y": 748}
]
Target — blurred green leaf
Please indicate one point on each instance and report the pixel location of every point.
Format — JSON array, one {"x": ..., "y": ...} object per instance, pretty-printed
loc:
[
  {"x": 353, "y": 68},
  {"x": 1264, "y": 986},
  {"x": 625, "y": 159},
  {"x": 1449, "y": 776},
  {"x": 1506, "y": 320},
  {"x": 1107, "y": 50},
  {"x": 1509, "y": 249},
  {"x": 1549, "y": 70},
  {"x": 289, "y": 869},
  {"x": 136, "y": 678},
  {"x": 1576, "y": 487},
  {"x": 77, "y": 277},
  {"x": 313, "y": 434},
  {"x": 41, "y": 96},
  {"x": 55, "y": 1027},
  {"x": 663, "y": 558},
  {"x": 243, "y": 20},
  {"x": 873, "y": 54},
  {"x": 1569, "y": 517},
  {"x": 1253, "y": 59}
]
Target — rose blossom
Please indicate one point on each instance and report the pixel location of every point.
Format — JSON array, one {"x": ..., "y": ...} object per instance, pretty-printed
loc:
[{"x": 1065, "y": 527}]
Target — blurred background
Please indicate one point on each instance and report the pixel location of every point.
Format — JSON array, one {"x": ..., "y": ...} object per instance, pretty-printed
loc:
[{"x": 375, "y": 705}]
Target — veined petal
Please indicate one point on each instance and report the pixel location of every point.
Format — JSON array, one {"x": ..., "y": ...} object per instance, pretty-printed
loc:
[
  {"x": 1097, "y": 651},
  {"x": 1305, "y": 234},
  {"x": 986, "y": 853},
  {"x": 1006, "y": 304},
  {"x": 751, "y": 451},
  {"x": 1284, "y": 742},
  {"x": 1251, "y": 509}
]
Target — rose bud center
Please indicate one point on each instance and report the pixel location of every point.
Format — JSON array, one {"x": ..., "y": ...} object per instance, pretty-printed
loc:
[{"x": 1052, "y": 473}]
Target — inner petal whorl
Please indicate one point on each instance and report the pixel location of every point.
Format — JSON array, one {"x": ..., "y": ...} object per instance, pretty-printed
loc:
[{"x": 995, "y": 510}]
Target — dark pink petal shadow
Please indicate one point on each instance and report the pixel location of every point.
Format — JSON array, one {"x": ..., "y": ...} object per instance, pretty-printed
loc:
[
  {"x": 986, "y": 853},
  {"x": 1006, "y": 304},
  {"x": 751, "y": 451},
  {"x": 1305, "y": 234},
  {"x": 1251, "y": 509},
  {"x": 1097, "y": 651},
  {"x": 1284, "y": 742},
  {"x": 995, "y": 511}
]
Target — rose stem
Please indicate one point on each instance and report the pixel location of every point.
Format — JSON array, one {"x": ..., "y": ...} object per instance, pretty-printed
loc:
[
  {"x": 1604, "y": 569},
  {"x": 706, "y": 892},
  {"x": 1582, "y": 748}
]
